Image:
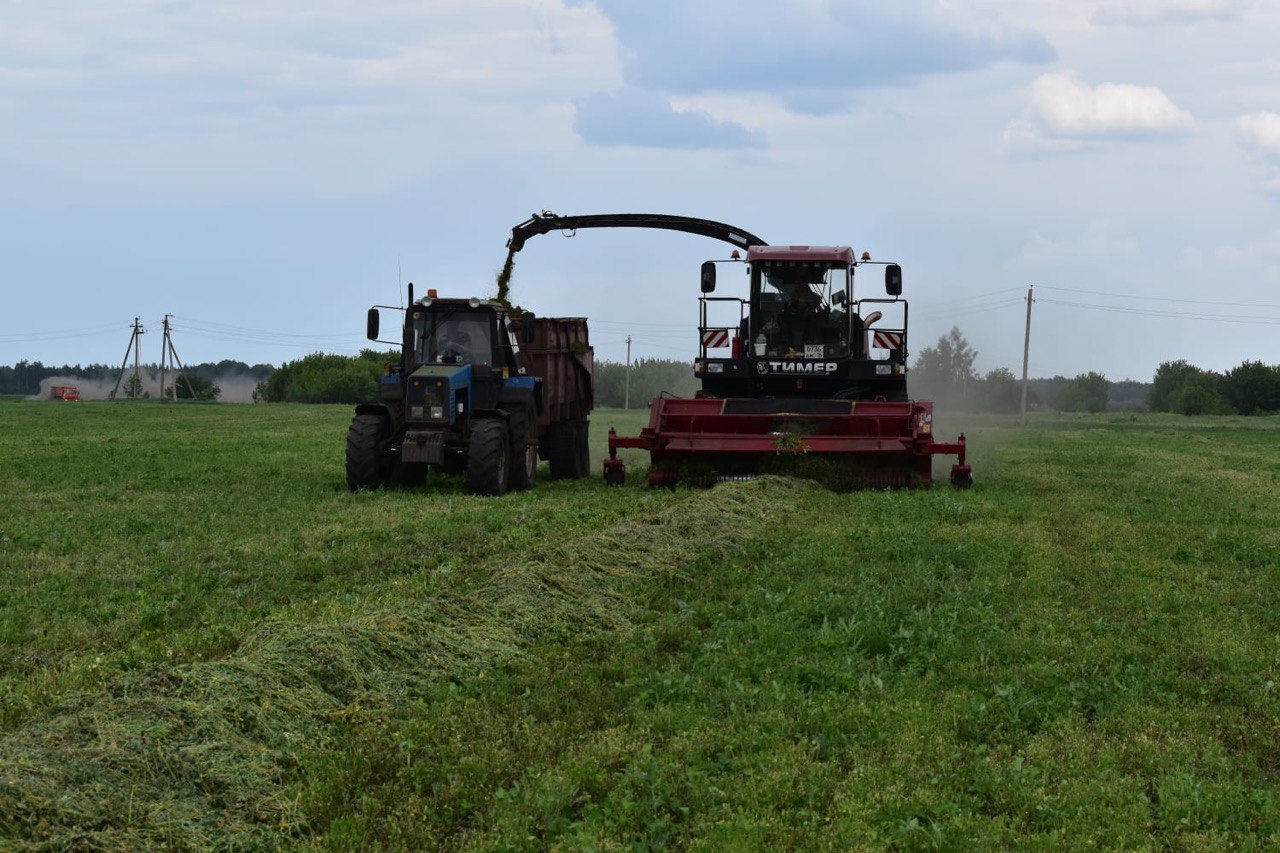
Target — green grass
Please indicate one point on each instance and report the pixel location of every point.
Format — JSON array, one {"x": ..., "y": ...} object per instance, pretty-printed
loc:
[{"x": 206, "y": 641}]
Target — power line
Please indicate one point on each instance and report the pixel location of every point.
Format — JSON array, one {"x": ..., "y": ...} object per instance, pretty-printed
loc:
[
  {"x": 1164, "y": 298},
  {"x": 1175, "y": 315}
]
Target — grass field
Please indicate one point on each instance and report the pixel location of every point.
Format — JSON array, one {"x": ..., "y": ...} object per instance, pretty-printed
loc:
[{"x": 206, "y": 641}]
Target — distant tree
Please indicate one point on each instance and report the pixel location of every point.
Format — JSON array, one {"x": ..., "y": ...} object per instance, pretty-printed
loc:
[
  {"x": 649, "y": 377},
  {"x": 1087, "y": 392},
  {"x": 194, "y": 386},
  {"x": 945, "y": 371},
  {"x": 1169, "y": 380},
  {"x": 999, "y": 391},
  {"x": 329, "y": 378},
  {"x": 1128, "y": 395},
  {"x": 1200, "y": 394},
  {"x": 1252, "y": 387},
  {"x": 133, "y": 387}
]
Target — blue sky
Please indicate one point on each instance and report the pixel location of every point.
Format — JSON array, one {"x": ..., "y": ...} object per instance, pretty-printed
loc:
[{"x": 264, "y": 172}]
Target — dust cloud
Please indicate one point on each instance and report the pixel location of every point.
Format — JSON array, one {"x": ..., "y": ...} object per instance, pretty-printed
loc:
[{"x": 236, "y": 387}]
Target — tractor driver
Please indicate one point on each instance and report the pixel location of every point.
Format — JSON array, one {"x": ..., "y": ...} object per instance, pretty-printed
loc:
[{"x": 453, "y": 344}]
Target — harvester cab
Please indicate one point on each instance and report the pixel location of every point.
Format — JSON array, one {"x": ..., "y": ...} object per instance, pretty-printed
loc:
[{"x": 800, "y": 331}]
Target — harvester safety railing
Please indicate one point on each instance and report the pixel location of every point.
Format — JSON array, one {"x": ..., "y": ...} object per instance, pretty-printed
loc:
[
  {"x": 720, "y": 337},
  {"x": 898, "y": 353}
]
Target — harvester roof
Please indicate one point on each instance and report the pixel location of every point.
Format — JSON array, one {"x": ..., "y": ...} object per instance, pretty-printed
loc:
[{"x": 830, "y": 254}]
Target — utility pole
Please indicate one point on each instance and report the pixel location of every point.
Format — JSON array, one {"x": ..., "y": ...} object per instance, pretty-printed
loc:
[
  {"x": 174, "y": 361},
  {"x": 164, "y": 354},
  {"x": 626, "y": 399},
  {"x": 136, "y": 345},
  {"x": 1026, "y": 352}
]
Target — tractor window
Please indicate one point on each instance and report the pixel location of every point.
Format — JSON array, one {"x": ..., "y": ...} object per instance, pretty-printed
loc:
[
  {"x": 454, "y": 336},
  {"x": 802, "y": 311}
]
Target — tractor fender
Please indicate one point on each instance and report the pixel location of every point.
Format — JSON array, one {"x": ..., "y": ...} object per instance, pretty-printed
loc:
[
  {"x": 527, "y": 393},
  {"x": 393, "y": 416}
]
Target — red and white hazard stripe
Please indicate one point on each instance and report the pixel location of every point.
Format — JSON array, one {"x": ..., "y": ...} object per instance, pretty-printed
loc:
[
  {"x": 887, "y": 340},
  {"x": 715, "y": 338}
]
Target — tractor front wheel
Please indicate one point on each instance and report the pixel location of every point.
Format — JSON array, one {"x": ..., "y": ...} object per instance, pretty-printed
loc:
[
  {"x": 487, "y": 458},
  {"x": 524, "y": 458},
  {"x": 368, "y": 461}
]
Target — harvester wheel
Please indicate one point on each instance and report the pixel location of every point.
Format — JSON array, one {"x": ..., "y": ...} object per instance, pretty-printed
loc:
[
  {"x": 368, "y": 462},
  {"x": 524, "y": 458},
  {"x": 962, "y": 479},
  {"x": 615, "y": 475},
  {"x": 487, "y": 458}
]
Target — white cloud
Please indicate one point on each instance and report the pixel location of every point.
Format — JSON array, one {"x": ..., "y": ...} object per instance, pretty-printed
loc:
[
  {"x": 1096, "y": 243},
  {"x": 633, "y": 117},
  {"x": 1145, "y": 13},
  {"x": 1261, "y": 131},
  {"x": 205, "y": 94},
  {"x": 811, "y": 54},
  {"x": 1062, "y": 109}
]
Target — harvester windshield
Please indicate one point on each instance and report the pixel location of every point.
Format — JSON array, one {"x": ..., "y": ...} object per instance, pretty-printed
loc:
[
  {"x": 801, "y": 310},
  {"x": 453, "y": 336}
]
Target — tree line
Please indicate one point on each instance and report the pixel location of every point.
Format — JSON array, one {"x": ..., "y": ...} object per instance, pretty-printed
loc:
[
  {"x": 1251, "y": 388},
  {"x": 327, "y": 378},
  {"x": 943, "y": 373},
  {"x": 25, "y": 377}
]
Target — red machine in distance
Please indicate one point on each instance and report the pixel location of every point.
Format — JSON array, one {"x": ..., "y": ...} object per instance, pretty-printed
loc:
[{"x": 813, "y": 382}]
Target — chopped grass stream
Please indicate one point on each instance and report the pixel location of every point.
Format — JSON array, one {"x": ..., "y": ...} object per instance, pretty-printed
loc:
[{"x": 1082, "y": 650}]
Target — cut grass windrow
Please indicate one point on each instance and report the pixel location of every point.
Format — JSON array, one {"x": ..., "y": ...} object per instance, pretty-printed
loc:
[{"x": 210, "y": 753}]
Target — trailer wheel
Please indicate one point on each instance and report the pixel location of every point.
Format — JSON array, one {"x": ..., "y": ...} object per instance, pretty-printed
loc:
[
  {"x": 368, "y": 463},
  {"x": 560, "y": 450},
  {"x": 581, "y": 438},
  {"x": 524, "y": 458},
  {"x": 487, "y": 458}
]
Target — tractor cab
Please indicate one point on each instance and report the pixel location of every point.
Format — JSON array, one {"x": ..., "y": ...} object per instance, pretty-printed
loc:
[
  {"x": 458, "y": 331},
  {"x": 460, "y": 355}
]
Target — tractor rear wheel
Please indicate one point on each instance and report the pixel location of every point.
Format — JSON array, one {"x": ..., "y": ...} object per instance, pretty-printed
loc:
[
  {"x": 487, "y": 458},
  {"x": 368, "y": 462},
  {"x": 524, "y": 458}
]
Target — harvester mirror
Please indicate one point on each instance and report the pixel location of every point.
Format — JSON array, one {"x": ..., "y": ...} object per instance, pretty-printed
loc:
[
  {"x": 528, "y": 327},
  {"x": 893, "y": 280},
  {"x": 371, "y": 329},
  {"x": 838, "y": 298},
  {"x": 708, "y": 276}
]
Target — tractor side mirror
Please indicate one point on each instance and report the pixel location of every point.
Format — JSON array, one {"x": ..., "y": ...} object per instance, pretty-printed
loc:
[
  {"x": 371, "y": 328},
  {"x": 708, "y": 276},
  {"x": 838, "y": 298},
  {"x": 893, "y": 280},
  {"x": 528, "y": 327}
]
